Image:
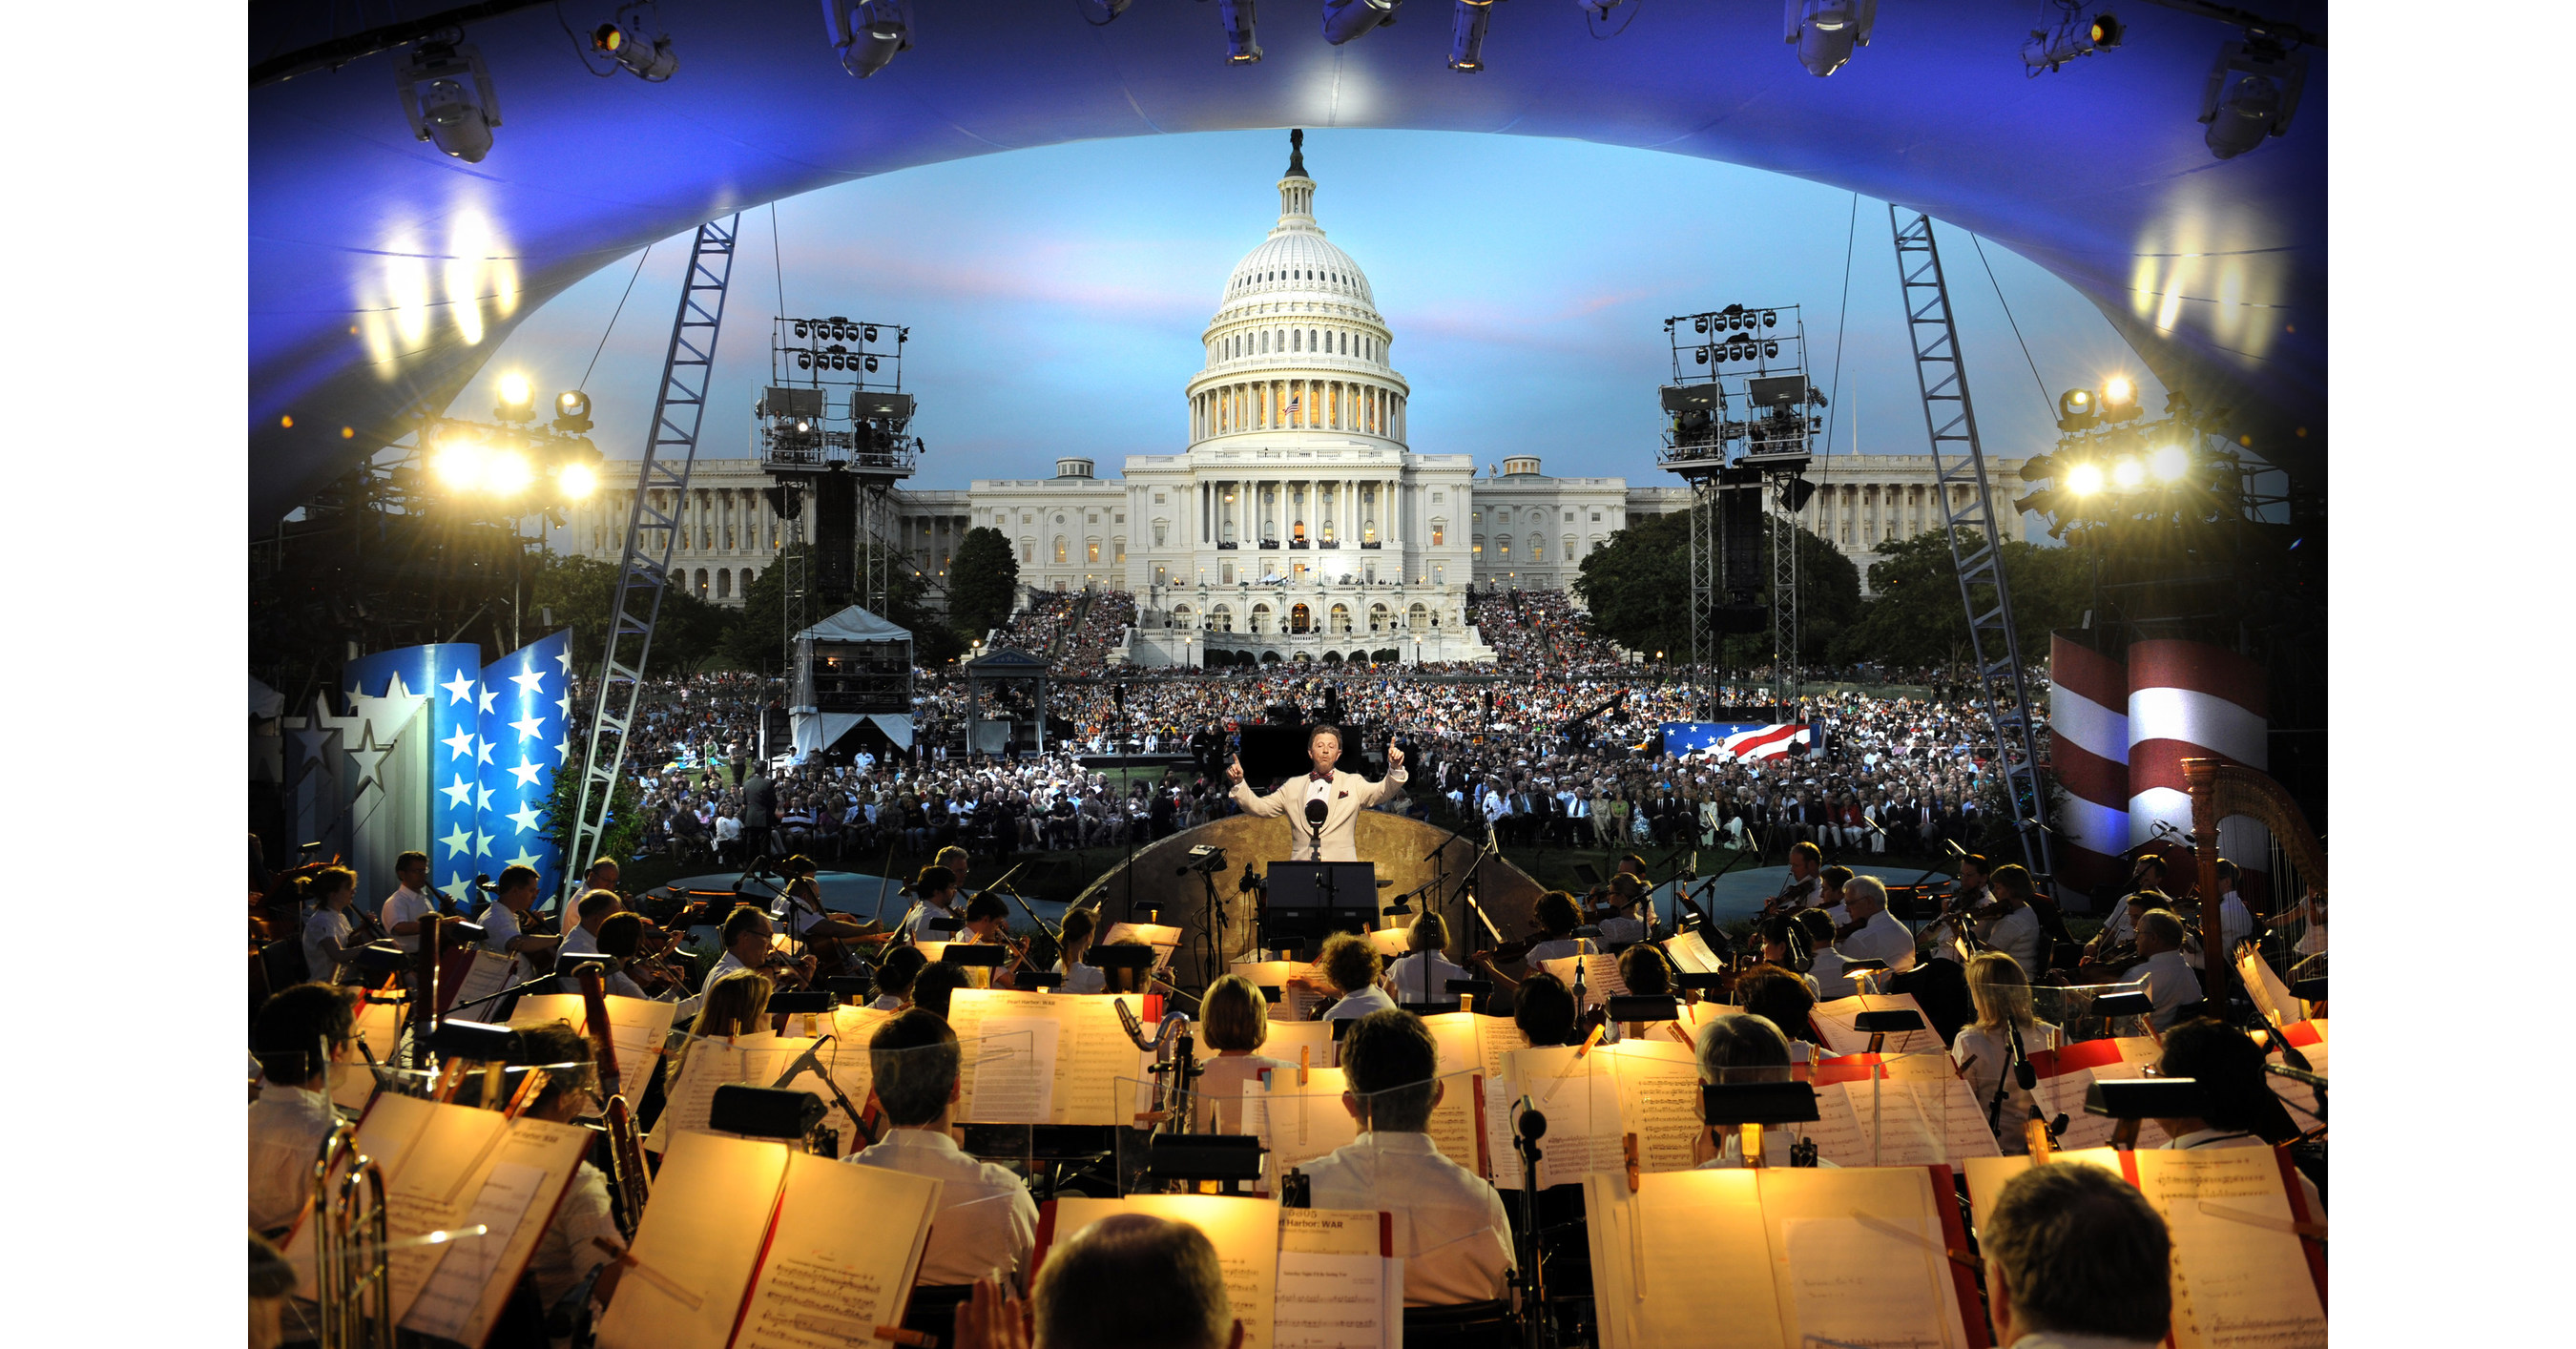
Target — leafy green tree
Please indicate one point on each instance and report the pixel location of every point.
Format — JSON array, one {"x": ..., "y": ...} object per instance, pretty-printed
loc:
[
  {"x": 756, "y": 640},
  {"x": 1638, "y": 585},
  {"x": 1914, "y": 616},
  {"x": 579, "y": 591},
  {"x": 983, "y": 578}
]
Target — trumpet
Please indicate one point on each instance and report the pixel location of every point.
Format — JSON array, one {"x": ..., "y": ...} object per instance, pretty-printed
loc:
[{"x": 353, "y": 1281}]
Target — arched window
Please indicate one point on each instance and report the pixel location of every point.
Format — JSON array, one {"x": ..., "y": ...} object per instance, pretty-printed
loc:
[
  {"x": 1417, "y": 618},
  {"x": 1341, "y": 620},
  {"x": 702, "y": 583},
  {"x": 746, "y": 580},
  {"x": 1260, "y": 618},
  {"x": 1059, "y": 549},
  {"x": 724, "y": 585},
  {"x": 1091, "y": 550},
  {"x": 1265, "y": 343},
  {"x": 1293, "y": 341}
]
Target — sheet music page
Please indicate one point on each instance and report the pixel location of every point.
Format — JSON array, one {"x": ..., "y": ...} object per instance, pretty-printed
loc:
[
  {"x": 755, "y": 1060},
  {"x": 1298, "y": 1124},
  {"x": 446, "y": 1303},
  {"x": 703, "y": 1232},
  {"x": 827, "y": 1282},
  {"x": 1452, "y": 1127},
  {"x": 1834, "y": 1022},
  {"x": 1689, "y": 1246},
  {"x": 1014, "y": 1071},
  {"x": 1987, "y": 1175},
  {"x": 1839, "y": 1135},
  {"x": 388, "y": 1132},
  {"x": 1812, "y": 1267},
  {"x": 2262, "y": 984},
  {"x": 1245, "y": 1233},
  {"x": 1658, "y": 1100},
  {"x": 1333, "y": 1280},
  {"x": 426, "y": 1192},
  {"x": 1601, "y": 979},
  {"x": 551, "y": 1153},
  {"x": 639, "y": 1027},
  {"x": 1315, "y": 1037},
  {"x": 1580, "y": 1099},
  {"x": 1917, "y": 1122},
  {"x": 1090, "y": 1054},
  {"x": 489, "y": 973},
  {"x": 1691, "y": 954},
  {"x": 2064, "y": 1094},
  {"x": 2237, "y": 1284}
]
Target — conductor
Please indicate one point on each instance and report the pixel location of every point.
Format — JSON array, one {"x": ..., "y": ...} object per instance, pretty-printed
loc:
[
  {"x": 760, "y": 812},
  {"x": 1342, "y": 795}
]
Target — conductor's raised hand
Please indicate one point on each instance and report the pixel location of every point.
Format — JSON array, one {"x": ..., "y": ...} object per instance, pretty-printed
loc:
[
  {"x": 1234, "y": 769},
  {"x": 1394, "y": 755}
]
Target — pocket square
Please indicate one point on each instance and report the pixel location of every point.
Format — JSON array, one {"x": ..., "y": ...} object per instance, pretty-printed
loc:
[{"x": 1339, "y": 795}]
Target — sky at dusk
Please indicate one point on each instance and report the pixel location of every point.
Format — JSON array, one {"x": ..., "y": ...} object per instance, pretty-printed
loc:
[{"x": 1056, "y": 296}]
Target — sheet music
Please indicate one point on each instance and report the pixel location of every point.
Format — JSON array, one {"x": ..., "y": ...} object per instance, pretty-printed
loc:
[
  {"x": 1659, "y": 1101},
  {"x": 1298, "y": 1124},
  {"x": 1691, "y": 954},
  {"x": 1452, "y": 1128},
  {"x": 1601, "y": 980},
  {"x": 1315, "y": 1037},
  {"x": 1092, "y": 1056},
  {"x": 1336, "y": 1287},
  {"x": 1834, "y": 1022},
  {"x": 490, "y": 972},
  {"x": 1165, "y": 940},
  {"x": 1681, "y": 1255},
  {"x": 1919, "y": 1122},
  {"x": 1855, "y": 1284},
  {"x": 638, "y": 1027},
  {"x": 1015, "y": 1070},
  {"x": 710, "y": 1063},
  {"x": 2065, "y": 1093},
  {"x": 2237, "y": 1284},
  {"x": 1580, "y": 1099},
  {"x": 465, "y": 1268},
  {"x": 828, "y": 1282}
]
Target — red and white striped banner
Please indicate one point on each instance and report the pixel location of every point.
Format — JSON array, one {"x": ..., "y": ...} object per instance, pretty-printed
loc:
[
  {"x": 2088, "y": 724},
  {"x": 2192, "y": 700}
]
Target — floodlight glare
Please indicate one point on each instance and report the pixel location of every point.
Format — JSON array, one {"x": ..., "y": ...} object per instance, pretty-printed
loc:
[
  {"x": 458, "y": 462},
  {"x": 1347, "y": 19},
  {"x": 514, "y": 388},
  {"x": 1467, "y": 35},
  {"x": 2170, "y": 463},
  {"x": 869, "y": 34},
  {"x": 1242, "y": 44},
  {"x": 2128, "y": 473},
  {"x": 2117, "y": 391},
  {"x": 577, "y": 481},
  {"x": 1825, "y": 31},
  {"x": 2084, "y": 479},
  {"x": 508, "y": 473}
]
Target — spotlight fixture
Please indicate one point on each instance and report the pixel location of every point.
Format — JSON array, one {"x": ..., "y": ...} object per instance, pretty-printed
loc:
[
  {"x": 868, "y": 34},
  {"x": 652, "y": 59},
  {"x": 577, "y": 481},
  {"x": 440, "y": 108},
  {"x": 2084, "y": 479},
  {"x": 1825, "y": 31},
  {"x": 2075, "y": 410},
  {"x": 518, "y": 399},
  {"x": 2118, "y": 400},
  {"x": 2050, "y": 48},
  {"x": 458, "y": 461},
  {"x": 2127, "y": 473},
  {"x": 572, "y": 412},
  {"x": 2252, "y": 92},
  {"x": 1467, "y": 35},
  {"x": 1347, "y": 19},
  {"x": 1242, "y": 44},
  {"x": 2169, "y": 463}
]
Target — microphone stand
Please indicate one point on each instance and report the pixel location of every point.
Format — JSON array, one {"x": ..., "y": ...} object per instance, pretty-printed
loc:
[{"x": 1527, "y": 1130}]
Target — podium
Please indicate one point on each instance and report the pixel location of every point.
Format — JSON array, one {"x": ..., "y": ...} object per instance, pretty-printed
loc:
[{"x": 1309, "y": 901}]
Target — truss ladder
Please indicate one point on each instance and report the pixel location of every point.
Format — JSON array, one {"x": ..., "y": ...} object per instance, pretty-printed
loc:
[
  {"x": 670, "y": 453},
  {"x": 1958, "y": 462}
]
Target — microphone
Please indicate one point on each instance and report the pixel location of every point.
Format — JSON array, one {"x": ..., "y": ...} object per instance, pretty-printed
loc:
[{"x": 1315, "y": 813}]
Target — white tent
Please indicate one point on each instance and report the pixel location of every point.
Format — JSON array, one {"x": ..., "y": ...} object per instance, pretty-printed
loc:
[{"x": 814, "y": 729}]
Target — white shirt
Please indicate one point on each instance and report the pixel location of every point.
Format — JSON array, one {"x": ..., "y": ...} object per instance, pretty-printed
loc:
[
  {"x": 565, "y": 1253},
  {"x": 1881, "y": 938},
  {"x": 287, "y": 1126},
  {"x": 2169, "y": 984},
  {"x": 1622, "y": 931},
  {"x": 324, "y": 934},
  {"x": 1981, "y": 1055},
  {"x": 1082, "y": 978},
  {"x": 1825, "y": 976},
  {"x": 405, "y": 906},
  {"x": 1360, "y": 1004},
  {"x": 1558, "y": 949},
  {"x": 1450, "y": 1228},
  {"x": 726, "y": 966},
  {"x": 500, "y": 928},
  {"x": 1409, "y": 974},
  {"x": 2235, "y": 921},
  {"x": 2017, "y": 934},
  {"x": 986, "y": 1220},
  {"x": 579, "y": 941},
  {"x": 922, "y": 913}
]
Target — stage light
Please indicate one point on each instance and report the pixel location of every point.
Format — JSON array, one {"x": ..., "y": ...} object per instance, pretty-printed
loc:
[
  {"x": 1467, "y": 35},
  {"x": 459, "y": 461},
  {"x": 651, "y": 60},
  {"x": 869, "y": 34},
  {"x": 1825, "y": 31},
  {"x": 2119, "y": 399},
  {"x": 577, "y": 481},
  {"x": 507, "y": 473},
  {"x": 2050, "y": 48},
  {"x": 1347, "y": 19},
  {"x": 2170, "y": 463},
  {"x": 2259, "y": 101},
  {"x": 2084, "y": 479},
  {"x": 2075, "y": 410},
  {"x": 572, "y": 412},
  {"x": 868, "y": 333},
  {"x": 439, "y": 106},
  {"x": 518, "y": 401},
  {"x": 2127, "y": 473},
  {"x": 1242, "y": 44}
]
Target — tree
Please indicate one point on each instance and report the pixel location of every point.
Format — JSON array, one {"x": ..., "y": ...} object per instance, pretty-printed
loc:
[
  {"x": 755, "y": 641},
  {"x": 1915, "y": 617},
  {"x": 983, "y": 580},
  {"x": 579, "y": 591},
  {"x": 1638, "y": 585}
]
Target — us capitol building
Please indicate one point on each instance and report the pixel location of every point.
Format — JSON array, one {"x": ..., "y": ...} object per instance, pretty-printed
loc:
[{"x": 1299, "y": 523}]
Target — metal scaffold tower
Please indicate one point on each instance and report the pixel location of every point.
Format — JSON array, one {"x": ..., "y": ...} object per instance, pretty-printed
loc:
[
  {"x": 1739, "y": 428},
  {"x": 835, "y": 430},
  {"x": 1968, "y": 521},
  {"x": 652, "y": 530}
]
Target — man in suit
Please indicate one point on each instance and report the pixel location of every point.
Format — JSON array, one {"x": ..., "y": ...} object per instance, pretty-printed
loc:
[
  {"x": 1344, "y": 796},
  {"x": 760, "y": 813}
]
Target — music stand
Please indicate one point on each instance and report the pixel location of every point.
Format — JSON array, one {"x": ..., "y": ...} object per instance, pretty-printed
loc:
[{"x": 1312, "y": 900}]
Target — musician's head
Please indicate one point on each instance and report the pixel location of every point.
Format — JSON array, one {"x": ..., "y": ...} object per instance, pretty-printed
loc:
[
  {"x": 602, "y": 874},
  {"x": 985, "y": 915},
  {"x": 517, "y": 887},
  {"x": 914, "y": 1058},
  {"x": 1233, "y": 1018},
  {"x": 299, "y": 1030},
  {"x": 935, "y": 884},
  {"x": 2227, "y": 873},
  {"x": 412, "y": 869},
  {"x": 2149, "y": 872},
  {"x": 1430, "y": 932},
  {"x": 2011, "y": 884},
  {"x": 1805, "y": 860},
  {"x": 568, "y": 1091},
  {"x": 1350, "y": 962},
  {"x": 746, "y": 934},
  {"x": 1644, "y": 970},
  {"x": 1972, "y": 869},
  {"x": 1627, "y": 890},
  {"x": 737, "y": 1004},
  {"x": 1785, "y": 943},
  {"x": 1818, "y": 926},
  {"x": 334, "y": 887},
  {"x": 895, "y": 973},
  {"x": 1632, "y": 865},
  {"x": 1864, "y": 896},
  {"x": 1999, "y": 988},
  {"x": 931, "y": 988},
  {"x": 2158, "y": 932},
  {"x": 951, "y": 857},
  {"x": 1833, "y": 879},
  {"x": 1556, "y": 913},
  {"x": 1393, "y": 1069},
  {"x": 2234, "y": 1091},
  {"x": 2074, "y": 1250},
  {"x": 798, "y": 866},
  {"x": 620, "y": 935},
  {"x": 1543, "y": 1009},
  {"x": 594, "y": 908},
  {"x": 1779, "y": 997},
  {"x": 1077, "y": 928},
  {"x": 1134, "y": 1281},
  {"x": 1324, "y": 747},
  {"x": 1742, "y": 1047}
]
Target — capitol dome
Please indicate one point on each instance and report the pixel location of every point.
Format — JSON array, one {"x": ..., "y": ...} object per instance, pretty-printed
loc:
[{"x": 1297, "y": 345}]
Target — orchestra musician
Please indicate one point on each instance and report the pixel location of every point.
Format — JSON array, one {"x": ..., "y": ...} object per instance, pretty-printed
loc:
[
  {"x": 1824, "y": 964},
  {"x": 1741, "y": 1047},
  {"x": 328, "y": 942},
  {"x": 1074, "y": 940},
  {"x": 746, "y": 937},
  {"x": 1783, "y": 999},
  {"x": 735, "y": 1003},
  {"x": 1344, "y": 796},
  {"x": 405, "y": 907},
  {"x": 800, "y": 909},
  {"x": 293, "y": 1113},
  {"x": 938, "y": 979},
  {"x": 602, "y": 876},
  {"x": 591, "y": 910},
  {"x": 1873, "y": 933},
  {"x": 505, "y": 924},
  {"x": 1999, "y": 988},
  {"x": 935, "y": 887},
  {"x": 1543, "y": 1009},
  {"x": 1801, "y": 889},
  {"x": 567, "y": 1253},
  {"x": 1617, "y": 914},
  {"x": 1829, "y": 898},
  {"x": 1557, "y": 917},
  {"x": 1234, "y": 1021},
  {"x": 1351, "y": 969},
  {"x": 2166, "y": 976},
  {"x": 2076, "y": 1258},
  {"x": 620, "y": 937},
  {"x": 986, "y": 1222},
  {"x": 895, "y": 974},
  {"x": 1423, "y": 975}
]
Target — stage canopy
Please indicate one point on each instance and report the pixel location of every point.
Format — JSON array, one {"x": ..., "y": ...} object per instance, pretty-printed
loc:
[{"x": 383, "y": 273}]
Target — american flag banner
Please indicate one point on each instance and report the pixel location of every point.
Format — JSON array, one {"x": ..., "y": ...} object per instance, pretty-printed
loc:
[
  {"x": 524, "y": 734},
  {"x": 1733, "y": 739},
  {"x": 450, "y": 674}
]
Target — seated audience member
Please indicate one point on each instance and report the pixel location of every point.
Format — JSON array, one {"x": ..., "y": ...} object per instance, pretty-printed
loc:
[
  {"x": 931, "y": 987},
  {"x": 1543, "y": 1008},
  {"x": 2076, "y": 1259},
  {"x": 566, "y": 1254},
  {"x": 301, "y": 1032},
  {"x": 1234, "y": 1022},
  {"x": 1781, "y": 998},
  {"x": 1078, "y": 977},
  {"x": 1742, "y": 1047},
  {"x": 895, "y": 975},
  {"x": 2167, "y": 978},
  {"x": 1452, "y": 1232},
  {"x": 1423, "y": 975},
  {"x": 2000, "y": 990},
  {"x": 986, "y": 1220}
]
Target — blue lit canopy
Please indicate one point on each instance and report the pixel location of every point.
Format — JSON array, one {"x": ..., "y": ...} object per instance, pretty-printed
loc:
[{"x": 383, "y": 273}]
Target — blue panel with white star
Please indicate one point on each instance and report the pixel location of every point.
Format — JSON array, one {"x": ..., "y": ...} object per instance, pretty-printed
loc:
[
  {"x": 523, "y": 736},
  {"x": 451, "y": 675}
]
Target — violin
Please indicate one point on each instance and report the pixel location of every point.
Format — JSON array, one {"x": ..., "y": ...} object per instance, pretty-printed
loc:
[{"x": 786, "y": 973}]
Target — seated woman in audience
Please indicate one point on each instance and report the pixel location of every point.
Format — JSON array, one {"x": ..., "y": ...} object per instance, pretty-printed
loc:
[
  {"x": 1234, "y": 1022},
  {"x": 2000, "y": 989}
]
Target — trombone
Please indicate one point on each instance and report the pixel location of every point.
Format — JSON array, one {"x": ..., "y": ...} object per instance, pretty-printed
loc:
[{"x": 353, "y": 1281}]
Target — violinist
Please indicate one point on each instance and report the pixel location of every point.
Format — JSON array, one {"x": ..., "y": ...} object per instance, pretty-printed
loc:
[
  {"x": 1423, "y": 975},
  {"x": 1829, "y": 898},
  {"x": 935, "y": 887},
  {"x": 1786, "y": 946},
  {"x": 746, "y": 936},
  {"x": 404, "y": 908},
  {"x": 1824, "y": 964},
  {"x": 800, "y": 909},
  {"x": 620, "y": 937},
  {"x": 505, "y": 924},
  {"x": 1783, "y": 999},
  {"x": 602, "y": 876},
  {"x": 590, "y": 911},
  {"x": 328, "y": 941},
  {"x": 1800, "y": 891},
  {"x": 1617, "y": 913},
  {"x": 2010, "y": 923},
  {"x": 1557, "y": 917},
  {"x": 1078, "y": 977},
  {"x": 1873, "y": 933}
]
